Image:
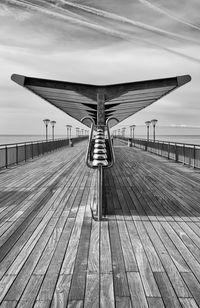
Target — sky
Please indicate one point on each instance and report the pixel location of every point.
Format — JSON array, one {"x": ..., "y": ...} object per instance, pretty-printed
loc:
[{"x": 99, "y": 42}]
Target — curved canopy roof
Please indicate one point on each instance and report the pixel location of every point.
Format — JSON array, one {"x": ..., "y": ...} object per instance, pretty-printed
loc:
[{"x": 121, "y": 100}]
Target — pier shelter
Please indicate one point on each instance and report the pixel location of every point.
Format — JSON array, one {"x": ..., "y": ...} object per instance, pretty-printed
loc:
[{"x": 144, "y": 252}]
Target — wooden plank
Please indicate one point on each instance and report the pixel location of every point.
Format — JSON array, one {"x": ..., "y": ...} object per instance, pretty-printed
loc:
[
  {"x": 173, "y": 251},
  {"x": 193, "y": 285},
  {"x": 92, "y": 292},
  {"x": 27, "y": 265},
  {"x": 168, "y": 264},
  {"x": 105, "y": 250},
  {"x": 77, "y": 289},
  {"x": 151, "y": 253},
  {"x": 106, "y": 291},
  {"x": 138, "y": 298},
  {"x": 155, "y": 302},
  {"x": 188, "y": 303},
  {"x": 187, "y": 255},
  {"x": 8, "y": 304},
  {"x": 129, "y": 257},
  {"x": 119, "y": 274},
  {"x": 42, "y": 304},
  {"x": 168, "y": 295},
  {"x": 61, "y": 292},
  {"x": 150, "y": 286},
  {"x": 32, "y": 288},
  {"x": 75, "y": 304},
  {"x": 123, "y": 302},
  {"x": 93, "y": 257}
]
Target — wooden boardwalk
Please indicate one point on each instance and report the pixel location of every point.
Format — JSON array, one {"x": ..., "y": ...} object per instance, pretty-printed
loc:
[{"x": 146, "y": 253}]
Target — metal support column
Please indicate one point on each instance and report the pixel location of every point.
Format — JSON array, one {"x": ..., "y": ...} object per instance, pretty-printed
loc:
[{"x": 101, "y": 109}]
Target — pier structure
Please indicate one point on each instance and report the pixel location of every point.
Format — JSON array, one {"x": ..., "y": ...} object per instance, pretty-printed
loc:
[
  {"x": 143, "y": 252},
  {"x": 98, "y": 105}
]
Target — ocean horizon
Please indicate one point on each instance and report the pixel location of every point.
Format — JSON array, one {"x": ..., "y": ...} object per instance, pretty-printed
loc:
[{"x": 9, "y": 139}]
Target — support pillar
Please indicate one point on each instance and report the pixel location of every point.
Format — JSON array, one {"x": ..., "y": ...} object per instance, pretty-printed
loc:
[{"x": 100, "y": 109}]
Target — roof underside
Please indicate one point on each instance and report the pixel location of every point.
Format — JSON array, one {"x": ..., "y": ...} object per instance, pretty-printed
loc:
[{"x": 121, "y": 100}]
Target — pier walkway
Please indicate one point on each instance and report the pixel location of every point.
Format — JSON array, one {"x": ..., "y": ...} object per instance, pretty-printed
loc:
[{"x": 145, "y": 253}]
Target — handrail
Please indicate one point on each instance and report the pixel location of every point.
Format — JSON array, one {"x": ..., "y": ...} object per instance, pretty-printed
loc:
[
  {"x": 15, "y": 153},
  {"x": 99, "y": 164},
  {"x": 159, "y": 141},
  {"x": 33, "y": 142},
  {"x": 90, "y": 141},
  {"x": 185, "y": 153},
  {"x": 109, "y": 140}
]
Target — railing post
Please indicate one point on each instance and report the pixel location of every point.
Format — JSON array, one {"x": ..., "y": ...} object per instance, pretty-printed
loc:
[
  {"x": 6, "y": 156},
  {"x": 100, "y": 193},
  {"x": 25, "y": 151},
  {"x": 16, "y": 154},
  {"x": 32, "y": 149},
  {"x": 194, "y": 156},
  {"x": 176, "y": 153},
  {"x": 184, "y": 154},
  {"x": 168, "y": 150}
]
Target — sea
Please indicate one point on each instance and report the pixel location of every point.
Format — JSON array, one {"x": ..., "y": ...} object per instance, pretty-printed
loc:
[
  {"x": 188, "y": 139},
  {"x": 9, "y": 139}
]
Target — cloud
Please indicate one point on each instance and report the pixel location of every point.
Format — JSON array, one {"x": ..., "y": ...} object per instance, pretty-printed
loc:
[
  {"x": 98, "y": 42},
  {"x": 184, "y": 126},
  {"x": 169, "y": 14},
  {"x": 101, "y": 28}
]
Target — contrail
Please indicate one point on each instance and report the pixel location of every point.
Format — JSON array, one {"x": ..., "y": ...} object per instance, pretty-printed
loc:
[
  {"x": 102, "y": 29},
  {"x": 166, "y": 13},
  {"x": 128, "y": 21},
  {"x": 38, "y": 7}
]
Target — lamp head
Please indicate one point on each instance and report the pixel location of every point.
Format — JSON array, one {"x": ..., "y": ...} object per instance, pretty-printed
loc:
[
  {"x": 53, "y": 123},
  {"x": 148, "y": 123},
  {"x": 46, "y": 121},
  {"x": 154, "y": 121}
]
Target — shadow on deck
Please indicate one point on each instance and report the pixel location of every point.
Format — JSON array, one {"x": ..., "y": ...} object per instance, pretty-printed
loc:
[{"x": 146, "y": 252}]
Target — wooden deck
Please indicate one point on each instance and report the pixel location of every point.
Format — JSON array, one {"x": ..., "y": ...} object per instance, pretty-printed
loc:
[{"x": 146, "y": 253}]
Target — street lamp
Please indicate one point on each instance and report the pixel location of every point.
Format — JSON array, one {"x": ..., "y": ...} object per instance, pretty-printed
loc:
[
  {"x": 53, "y": 123},
  {"x": 46, "y": 122},
  {"x": 123, "y": 131},
  {"x": 68, "y": 131},
  {"x": 154, "y": 121},
  {"x": 132, "y": 128},
  {"x": 148, "y": 124},
  {"x": 77, "y": 131}
]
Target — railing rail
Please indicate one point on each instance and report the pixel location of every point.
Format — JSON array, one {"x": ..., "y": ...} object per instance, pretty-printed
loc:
[
  {"x": 188, "y": 154},
  {"x": 14, "y": 153}
]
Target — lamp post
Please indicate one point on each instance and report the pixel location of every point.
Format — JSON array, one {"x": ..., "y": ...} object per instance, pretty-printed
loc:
[
  {"x": 53, "y": 123},
  {"x": 68, "y": 131},
  {"x": 148, "y": 124},
  {"x": 46, "y": 122},
  {"x": 154, "y": 121},
  {"x": 132, "y": 128},
  {"x": 123, "y": 131}
]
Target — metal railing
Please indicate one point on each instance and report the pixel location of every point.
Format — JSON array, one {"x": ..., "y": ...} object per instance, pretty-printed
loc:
[
  {"x": 188, "y": 154},
  {"x": 14, "y": 153}
]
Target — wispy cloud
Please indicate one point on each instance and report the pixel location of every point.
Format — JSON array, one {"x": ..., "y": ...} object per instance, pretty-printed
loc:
[
  {"x": 53, "y": 9},
  {"x": 128, "y": 21},
  {"x": 184, "y": 126},
  {"x": 169, "y": 14}
]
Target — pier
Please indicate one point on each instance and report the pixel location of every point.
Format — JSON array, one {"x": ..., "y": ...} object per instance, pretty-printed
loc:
[{"x": 144, "y": 253}]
